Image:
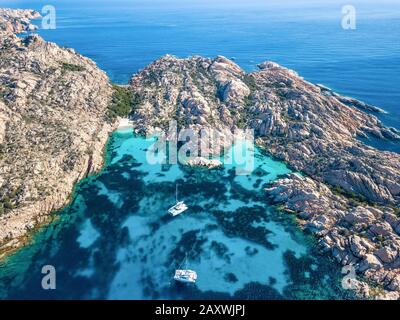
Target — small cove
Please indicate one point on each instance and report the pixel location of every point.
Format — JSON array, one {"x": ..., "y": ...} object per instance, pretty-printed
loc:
[{"x": 116, "y": 241}]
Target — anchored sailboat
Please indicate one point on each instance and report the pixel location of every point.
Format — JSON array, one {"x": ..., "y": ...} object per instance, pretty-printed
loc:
[
  {"x": 179, "y": 207},
  {"x": 182, "y": 275},
  {"x": 188, "y": 276},
  {"x": 185, "y": 275}
]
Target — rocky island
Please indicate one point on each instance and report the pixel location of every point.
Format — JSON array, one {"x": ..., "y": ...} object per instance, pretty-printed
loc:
[{"x": 57, "y": 109}]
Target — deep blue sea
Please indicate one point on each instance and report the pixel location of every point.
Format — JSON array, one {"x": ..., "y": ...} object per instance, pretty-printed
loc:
[
  {"x": 115, "y": 241},
  {"x": 123, "y": 36}
]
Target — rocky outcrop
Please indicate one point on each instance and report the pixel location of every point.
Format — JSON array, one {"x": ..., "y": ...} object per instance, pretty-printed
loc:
[
  {"x": 355, "y": 233},
  {"x": 351, "y": 102},
  {"x": 52, "y": 125},
  {"x": 309, "y": 127},
  {"x": 17, "y": 21},
  {"x": 317, "y": 134},
  {"x": 203, "y": 162},
  {"x": 294, "y": 120},
  {"x": 197, "y": 93}
]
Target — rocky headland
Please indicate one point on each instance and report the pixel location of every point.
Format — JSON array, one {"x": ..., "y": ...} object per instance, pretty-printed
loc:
[
  {"x": 53, "y": 125},
  {"x": 55, "y": 119},
  {"x": 350, "y": 194}
]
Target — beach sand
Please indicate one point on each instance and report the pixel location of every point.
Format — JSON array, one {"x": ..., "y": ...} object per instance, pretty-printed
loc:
[{"x": 125, "y": 123}]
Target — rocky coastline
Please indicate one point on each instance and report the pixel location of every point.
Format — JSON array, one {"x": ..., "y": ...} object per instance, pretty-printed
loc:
[
  {"x": 355, "y": 233},
  {"x": 313, "y": 132},
  {"x": 54, "y": 123}
]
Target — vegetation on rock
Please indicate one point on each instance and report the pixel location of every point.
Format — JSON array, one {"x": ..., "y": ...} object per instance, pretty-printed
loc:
[
  {"x": 72, "y": 67},
  {"x": 122, "y": 102}
]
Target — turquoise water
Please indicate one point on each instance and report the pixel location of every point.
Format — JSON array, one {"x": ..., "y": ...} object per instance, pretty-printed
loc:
[
  {"x": 117, "y": 241},
  {"x": 123, "y": 36}
]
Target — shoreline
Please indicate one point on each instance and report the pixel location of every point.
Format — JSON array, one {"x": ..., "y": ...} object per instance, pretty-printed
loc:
[
  {"x": 280, "y": 153},
  {"x": 11, "y": 247},
  {"x": 295, "y": 224},
  {"x": 125, "y": 123}
]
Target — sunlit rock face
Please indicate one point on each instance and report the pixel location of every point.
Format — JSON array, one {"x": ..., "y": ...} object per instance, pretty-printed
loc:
[
  {"x": 52, "y": 124},
  {"x": 16, "y": 21},
  {"x": 354, "y": 232},
  {"x": 310, "y": 127},
  {"x": 295, "y": 120},
  {"x": 116, "y": 240},
  {"x": 53, "y": 127}
]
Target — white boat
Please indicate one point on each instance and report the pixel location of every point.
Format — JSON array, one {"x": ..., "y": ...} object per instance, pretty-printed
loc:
[
  {"x": 179, "y": 207},
  {"x": 188, "y": 276}
]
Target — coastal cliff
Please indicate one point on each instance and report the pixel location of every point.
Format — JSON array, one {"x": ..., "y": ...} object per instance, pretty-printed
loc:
[
  {"x": 350, "y": 197},
  {"x": 54, "y": 125},
  {"x": 296, "y": 121}
]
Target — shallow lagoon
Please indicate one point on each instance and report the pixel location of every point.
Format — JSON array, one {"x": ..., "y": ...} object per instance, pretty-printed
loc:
[{"x": 116, "y": 240}]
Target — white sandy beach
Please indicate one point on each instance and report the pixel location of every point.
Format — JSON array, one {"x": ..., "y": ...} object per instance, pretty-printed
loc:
[{"x": 125, "y": 123}]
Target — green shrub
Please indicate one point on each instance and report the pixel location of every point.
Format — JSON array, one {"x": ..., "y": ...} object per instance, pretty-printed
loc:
[
  {"x": 396, "y": 210},
  {"x": 4, "y": 91},
  {"x": 6, "y": 203},
  {"x": 354, "y": 198},
  {"x": 122, "y": 102},
  {"x": 72, "y": 67},
  {"x": 250, "y": 82}
]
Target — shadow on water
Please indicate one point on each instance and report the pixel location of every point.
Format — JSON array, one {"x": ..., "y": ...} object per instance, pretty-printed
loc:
[
  {"x": 381, "y": 144},
  {"x": 116, "y": 240}
]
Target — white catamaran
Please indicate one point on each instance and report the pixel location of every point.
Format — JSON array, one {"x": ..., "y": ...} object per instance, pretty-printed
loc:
[
  {"x": 185, "y": 275},
  {"x": 188, "y": 276},
  {"x": 179, "y": 207}
]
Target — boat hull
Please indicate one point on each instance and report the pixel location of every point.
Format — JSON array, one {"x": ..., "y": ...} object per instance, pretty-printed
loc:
[{"x": 186, "y": 276}]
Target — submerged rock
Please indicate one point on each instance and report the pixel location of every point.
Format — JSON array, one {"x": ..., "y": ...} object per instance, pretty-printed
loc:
[
  {"x": 203, "y": 162},
  {"x": 353, "y": 232},
  {"x": 53, "y": 126},
  {"x": 292, "y": 119}
]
